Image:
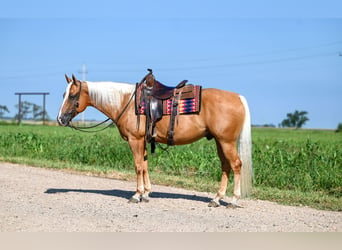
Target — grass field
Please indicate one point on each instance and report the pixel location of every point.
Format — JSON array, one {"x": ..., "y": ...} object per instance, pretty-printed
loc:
[{"x": 297, "y": 167}]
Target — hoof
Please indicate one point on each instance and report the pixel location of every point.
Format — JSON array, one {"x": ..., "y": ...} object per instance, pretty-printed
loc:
[
  {"x": 145, "y": 199},
  {"x": 233, "y": 206},
  {"x": 134, "y": 200},
  {"x": 213, "y": 203}
]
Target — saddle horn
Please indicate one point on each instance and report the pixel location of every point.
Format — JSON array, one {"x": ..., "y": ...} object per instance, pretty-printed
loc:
[{"x": 150, "y": 73}]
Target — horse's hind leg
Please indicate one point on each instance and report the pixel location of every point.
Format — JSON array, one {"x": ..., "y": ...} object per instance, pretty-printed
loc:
[
  {"x": 224, "y": 178},
  {"x": 230, "y": 161}
]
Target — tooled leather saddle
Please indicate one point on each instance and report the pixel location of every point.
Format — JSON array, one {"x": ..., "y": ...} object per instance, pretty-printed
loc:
[{"x": 154, "y": 99}]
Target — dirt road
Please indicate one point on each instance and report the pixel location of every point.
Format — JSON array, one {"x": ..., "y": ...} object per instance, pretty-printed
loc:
[{"x": 35, "y": 199}]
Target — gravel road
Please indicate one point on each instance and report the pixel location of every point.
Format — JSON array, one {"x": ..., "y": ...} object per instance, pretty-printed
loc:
[{"x": 44, "y": 200}]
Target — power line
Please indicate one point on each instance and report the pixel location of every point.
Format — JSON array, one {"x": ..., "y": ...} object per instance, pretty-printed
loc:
[
  {"x": 84, "y": 71},
  {"x": 280, "y": 51},
  {"x": 240, "y": 55},
  {"x": 270, "y": 61},
  {"x": 230, "y": 65}
]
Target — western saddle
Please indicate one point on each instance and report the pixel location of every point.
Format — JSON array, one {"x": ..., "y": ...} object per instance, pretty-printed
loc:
[{"x": 151, "y": 93}]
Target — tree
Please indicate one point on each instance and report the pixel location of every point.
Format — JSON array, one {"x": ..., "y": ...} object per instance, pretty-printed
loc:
[
  {"x": 295, "y": 120},
  {"x": 25, "y": 109},
  {"x": 36, "y": 111},
  {"x": 3, "y": 110},
  {"x": 339, "y": 127}
]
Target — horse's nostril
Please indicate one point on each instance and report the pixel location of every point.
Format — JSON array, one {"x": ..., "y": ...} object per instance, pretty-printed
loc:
[{"x": 63, "y": 120}]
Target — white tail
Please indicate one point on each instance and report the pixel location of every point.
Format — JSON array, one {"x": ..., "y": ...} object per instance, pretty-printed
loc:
[{"x": 245, "y": 152}]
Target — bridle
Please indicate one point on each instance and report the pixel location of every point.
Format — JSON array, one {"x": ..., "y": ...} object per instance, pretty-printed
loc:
[
  {"x": 75, "y": 98},
  {"x": 74, "y": 112}
]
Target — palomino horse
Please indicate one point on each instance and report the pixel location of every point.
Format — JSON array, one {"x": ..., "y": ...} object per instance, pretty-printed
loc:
[{"x": 224, "y": 116}]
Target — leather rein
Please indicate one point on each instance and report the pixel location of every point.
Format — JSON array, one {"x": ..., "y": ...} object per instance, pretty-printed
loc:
[{"x": 86, "y": 129}]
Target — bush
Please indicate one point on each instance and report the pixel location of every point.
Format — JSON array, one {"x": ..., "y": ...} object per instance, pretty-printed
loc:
[{"x": 339, "y": 127}]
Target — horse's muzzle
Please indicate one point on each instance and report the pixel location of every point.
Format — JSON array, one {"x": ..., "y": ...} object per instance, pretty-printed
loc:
[{"x": 64, "y": 120}]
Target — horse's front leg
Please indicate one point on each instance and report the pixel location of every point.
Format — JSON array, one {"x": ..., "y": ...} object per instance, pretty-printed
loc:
[{"x": 141, "y": 168}]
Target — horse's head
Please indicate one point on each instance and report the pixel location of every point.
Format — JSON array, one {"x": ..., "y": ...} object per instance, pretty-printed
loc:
[{"x": 74, "y": 101}]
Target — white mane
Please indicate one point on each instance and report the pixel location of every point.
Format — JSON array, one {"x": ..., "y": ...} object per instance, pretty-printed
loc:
[{"x": 102, "y": 93}]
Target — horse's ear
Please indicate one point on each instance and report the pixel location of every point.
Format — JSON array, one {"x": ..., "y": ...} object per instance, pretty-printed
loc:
[
  {"x": 67, "y": 79},
  {"x": 74, "y": 80}
]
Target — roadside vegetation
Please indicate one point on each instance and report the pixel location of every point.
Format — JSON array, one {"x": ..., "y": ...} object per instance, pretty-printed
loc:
[{"x": 291, "y": 166}]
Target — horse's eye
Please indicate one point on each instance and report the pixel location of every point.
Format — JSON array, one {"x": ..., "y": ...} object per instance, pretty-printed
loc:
[{"x": 72, "y": 97}]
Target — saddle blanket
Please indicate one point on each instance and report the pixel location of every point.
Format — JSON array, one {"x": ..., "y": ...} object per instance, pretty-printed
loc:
[{"x": 185, "y": 106}]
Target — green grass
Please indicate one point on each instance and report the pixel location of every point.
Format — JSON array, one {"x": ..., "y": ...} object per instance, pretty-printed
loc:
[
  {"x": 310, "y": 161},
  {"x": 297, "y": 167}
]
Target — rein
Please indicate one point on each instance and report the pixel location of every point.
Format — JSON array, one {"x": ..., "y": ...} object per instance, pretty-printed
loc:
[{"x": 85, "y": 129}]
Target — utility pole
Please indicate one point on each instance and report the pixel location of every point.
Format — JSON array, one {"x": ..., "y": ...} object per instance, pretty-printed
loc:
[{"x": 83, "y": 72}]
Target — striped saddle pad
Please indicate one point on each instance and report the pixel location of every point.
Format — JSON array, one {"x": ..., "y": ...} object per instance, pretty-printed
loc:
[{"x": 189, "y": 103}]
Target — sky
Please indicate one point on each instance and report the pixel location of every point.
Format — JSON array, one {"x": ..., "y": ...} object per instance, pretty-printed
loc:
[{"x": 281, "y": 55}]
